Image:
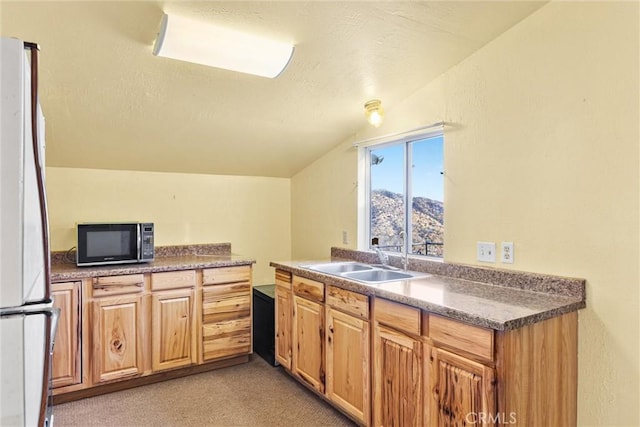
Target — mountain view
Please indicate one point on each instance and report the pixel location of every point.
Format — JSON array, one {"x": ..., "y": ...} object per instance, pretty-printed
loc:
[{"x": 387, "y": 218}]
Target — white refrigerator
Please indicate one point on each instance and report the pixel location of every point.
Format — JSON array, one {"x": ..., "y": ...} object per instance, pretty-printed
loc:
[{"x": 27, "y": 318}]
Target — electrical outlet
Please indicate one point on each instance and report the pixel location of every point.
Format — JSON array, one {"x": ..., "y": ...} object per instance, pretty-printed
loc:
[
  {"x": 345, "y": 237},
  {"x": 507, "y": 252},
  {"x": 486, "y": 251}
]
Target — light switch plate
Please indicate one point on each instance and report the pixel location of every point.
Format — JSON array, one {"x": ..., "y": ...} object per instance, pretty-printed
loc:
[{"x": 486, "y": 251}]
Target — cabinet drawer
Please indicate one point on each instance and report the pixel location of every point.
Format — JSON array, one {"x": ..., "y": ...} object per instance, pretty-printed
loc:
[
  {"x": 398, "y": 316},
  {"x": 461, "y": 336},
  {"x": 308, "y": 288},
  {"x": 283, "y": 279},
  {"x": 226, "y": 302},
  {"x": 212, "y": 276},
  {"x": 224, "y": 339},
  {"x": 173, "y": 280},
  {"x": 117, "y": 285},
  {"x": 349, "y": 302}
]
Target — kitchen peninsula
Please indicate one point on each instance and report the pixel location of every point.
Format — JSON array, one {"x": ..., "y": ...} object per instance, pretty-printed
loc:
[
  {"x": 188, "y": 311},
  {"x": 461, "y": 344}
]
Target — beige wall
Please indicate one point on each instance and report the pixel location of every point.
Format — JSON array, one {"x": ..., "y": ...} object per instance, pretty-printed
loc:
[
  {"x": 324, "y": 204},
  {"x": 542, "y": 150},
  {"x": 252, "y": 213}
]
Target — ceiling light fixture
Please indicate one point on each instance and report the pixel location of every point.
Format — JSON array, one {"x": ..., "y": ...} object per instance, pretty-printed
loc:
[
  {"x": 203, "y": 43},
  {"x": 374, "y": 112}
]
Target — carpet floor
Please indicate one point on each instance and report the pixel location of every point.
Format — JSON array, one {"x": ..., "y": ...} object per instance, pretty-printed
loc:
[{"x": 251, "y": 394}]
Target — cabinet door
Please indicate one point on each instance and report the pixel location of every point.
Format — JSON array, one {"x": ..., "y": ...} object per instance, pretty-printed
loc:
[
  {"x": 308, "y": 342},
  {"x": 172, "y": 329},
  {"x": 462, "y": 392},
  {"x": 283, "y": 327},
  {"x": 117, "y": 340},
  {"x": 348, "y": 364},
  {"x": 66, "y": 351},
  {"x": 397, "y": 393},
  {"x": 226, "y": 320}
]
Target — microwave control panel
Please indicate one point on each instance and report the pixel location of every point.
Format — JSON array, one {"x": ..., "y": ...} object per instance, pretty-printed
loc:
[{"x": 146, "y": 234}]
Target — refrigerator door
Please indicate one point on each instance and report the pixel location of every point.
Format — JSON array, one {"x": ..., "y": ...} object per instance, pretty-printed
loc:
[
  {"x": 25, "y": 366},
  {"x": 22, "y": 254}
]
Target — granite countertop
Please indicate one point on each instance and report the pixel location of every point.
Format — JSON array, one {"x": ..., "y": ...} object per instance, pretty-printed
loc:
[
  {"x": 168, "y": 258},
  {"x": 491, "y": 305}
]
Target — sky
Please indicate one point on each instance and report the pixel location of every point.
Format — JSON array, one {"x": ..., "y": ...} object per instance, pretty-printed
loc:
[{"x": 427, "y": 167}]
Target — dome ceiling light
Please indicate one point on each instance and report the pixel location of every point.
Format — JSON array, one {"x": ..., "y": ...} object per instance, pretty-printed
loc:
[{"x": 374, "y": 112}]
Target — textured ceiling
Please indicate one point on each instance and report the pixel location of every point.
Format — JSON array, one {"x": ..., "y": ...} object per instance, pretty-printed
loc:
[{"x": 110, "y": 104}]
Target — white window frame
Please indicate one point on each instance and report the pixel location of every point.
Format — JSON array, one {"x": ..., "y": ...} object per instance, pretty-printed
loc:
[{"x": 364, "y": 180}]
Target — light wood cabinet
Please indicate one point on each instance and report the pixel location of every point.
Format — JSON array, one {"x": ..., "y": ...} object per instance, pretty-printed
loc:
[
  {"x": 397, "y": 372},
  {"x": 537, "y": 373},
  {"x": 117, "y": 351},
  {"x": 391, "y": 364},
  {"x": 226, "y": 312},
  {"x": 326, "y": 346},
  {"x": 129, "y": 327},
  {"x": 172, "y": 329},
  {"x": 397, "y": 364},
  {"x": 283, "y": 318},
  {"x": 308, "y": 342},
  {"x": 173, "y": 319},
  {"x": 283, "y": 310},
  {"x": 460, "y": 378},
  {"x": 66, "y": 369},
  {"x": 462, "y": 391},
  {"x": 347, "y": 364}
]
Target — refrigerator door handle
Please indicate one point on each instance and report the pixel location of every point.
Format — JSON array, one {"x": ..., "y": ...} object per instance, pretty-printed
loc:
[{"x": 41, "y": 408}]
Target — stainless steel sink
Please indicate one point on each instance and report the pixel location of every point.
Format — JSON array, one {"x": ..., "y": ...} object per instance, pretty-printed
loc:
[
  {"x": 365, "y": 273},
  {"x": 338, "y": 267},
  {"x": 378, "y": 275}
]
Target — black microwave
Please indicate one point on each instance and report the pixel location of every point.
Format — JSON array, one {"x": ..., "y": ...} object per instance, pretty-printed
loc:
[{"x": 114, "y": 243}]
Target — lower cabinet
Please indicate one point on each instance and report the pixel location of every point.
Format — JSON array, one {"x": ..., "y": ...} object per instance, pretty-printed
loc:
[
  {"x": 117, "y": 338},
  {"x": 423, "y": 369},
  {"x": 283, "y": 311},
  {"x": 308, "y": 342},
  {"x": 226, "y": 312},
  {"x": 66, "y": 363},
  {"x": 397, "y": 372},
  {"x": 121, "y": 327},
  {"x": 173, "y": 319},
  {"x": 347, "y": 363},
  {"x": 397, "y": 364},
  {"x": 462, "y": 390},
  {"x": 322, "y": 338},
  {"x": 172, "y": 329}
]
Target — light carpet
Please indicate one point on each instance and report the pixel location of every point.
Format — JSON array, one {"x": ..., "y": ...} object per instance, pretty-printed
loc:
[{"x": 250, "y": 394}]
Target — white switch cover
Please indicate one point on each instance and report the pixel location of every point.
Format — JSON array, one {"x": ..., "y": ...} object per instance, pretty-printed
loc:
[
  {"x": 487, "y": 251},
  {"x": 345, "y": 237},
  {"x": 507, "y": 252}
]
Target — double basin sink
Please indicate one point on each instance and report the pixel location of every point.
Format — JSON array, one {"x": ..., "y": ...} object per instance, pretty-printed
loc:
[{"x": 366, "y": 273}]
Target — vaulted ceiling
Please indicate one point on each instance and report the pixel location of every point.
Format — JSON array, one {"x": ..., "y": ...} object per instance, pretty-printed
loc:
[{"x": 110, "y": 104}]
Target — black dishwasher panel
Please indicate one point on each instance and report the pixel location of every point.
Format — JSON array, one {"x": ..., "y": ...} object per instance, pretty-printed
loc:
[{"x": 264, "y": 322}]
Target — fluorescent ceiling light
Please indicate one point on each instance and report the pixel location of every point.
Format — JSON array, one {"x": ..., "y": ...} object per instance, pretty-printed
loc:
[{"x": 202, "y": 43}]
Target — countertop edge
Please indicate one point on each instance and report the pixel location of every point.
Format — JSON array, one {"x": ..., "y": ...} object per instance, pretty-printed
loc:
[
  {"x": 572, "y": 304},
  {"x": 80, "y": 273}
]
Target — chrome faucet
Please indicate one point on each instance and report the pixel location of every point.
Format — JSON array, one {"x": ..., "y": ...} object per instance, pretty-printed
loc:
[
  {"x": 384, "y": 258},
  {"x": 405, "y": 249}
]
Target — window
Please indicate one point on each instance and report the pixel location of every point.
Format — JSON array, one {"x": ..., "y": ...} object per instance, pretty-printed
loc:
[{"x": 404, "y": 193}]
